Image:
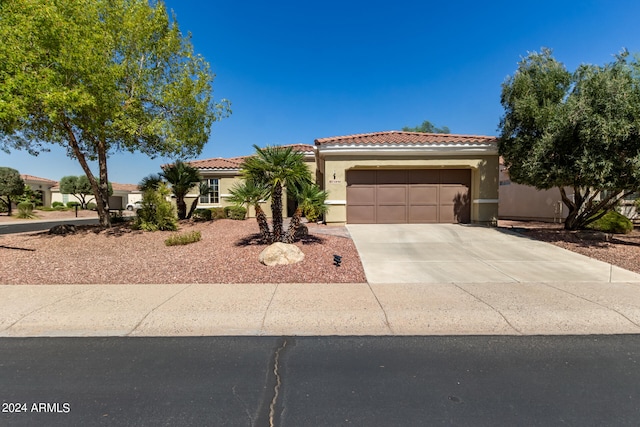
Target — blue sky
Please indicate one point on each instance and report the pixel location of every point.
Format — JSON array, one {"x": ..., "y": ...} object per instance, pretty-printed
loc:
[{"x": 298, "y": 70}]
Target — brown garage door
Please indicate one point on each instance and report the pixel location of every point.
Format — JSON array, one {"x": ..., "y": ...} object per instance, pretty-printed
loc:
[{"x": 408, "y": 196}]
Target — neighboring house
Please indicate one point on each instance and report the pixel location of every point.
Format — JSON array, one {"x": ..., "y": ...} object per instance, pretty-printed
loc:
[
  {"x": 389, "y": 177},
  {"x": 222, "y": 174},
  {"x": 409, "y": 177},
  {"x": 41, "y": 186},
  {"x": 526, "y": 203},
  {"x": 123, "y": 194}
]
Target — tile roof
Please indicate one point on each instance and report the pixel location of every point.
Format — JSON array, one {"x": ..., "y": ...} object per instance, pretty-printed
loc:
[
  {"x": 234, "y": 163},
  {"x": 124, "y": 187},
  {"x": 36, "y": 178},
  {"x": 218, "y": 163},
  {"x": 406, "y": 139}
]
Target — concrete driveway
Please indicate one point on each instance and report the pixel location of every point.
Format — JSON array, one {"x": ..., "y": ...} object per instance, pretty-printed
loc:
[{"x": 454, "y": 253}]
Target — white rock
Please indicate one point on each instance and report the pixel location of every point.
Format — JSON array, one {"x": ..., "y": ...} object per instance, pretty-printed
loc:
[{"x": 281, "y": 254}]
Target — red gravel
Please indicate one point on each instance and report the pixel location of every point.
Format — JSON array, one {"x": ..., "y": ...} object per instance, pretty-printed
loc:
[{"x": 227, "y": 253}]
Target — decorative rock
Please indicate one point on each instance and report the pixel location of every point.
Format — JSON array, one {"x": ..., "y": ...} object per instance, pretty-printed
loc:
[
  {"x": 281, "y": 254},
  {"x": 63, "y": 229}
]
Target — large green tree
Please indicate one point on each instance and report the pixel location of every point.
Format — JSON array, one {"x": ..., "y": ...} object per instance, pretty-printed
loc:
[
  {"x": 11, "y": 186},
  {"x": 577, "y": 130},
  {"x": 182, "y": 177},
  {"x": 99, "y": 76},
  {"x": 427, "y": 127},
  {"x": 80, "y": 188},
  {"x": 277, "y": 168}
]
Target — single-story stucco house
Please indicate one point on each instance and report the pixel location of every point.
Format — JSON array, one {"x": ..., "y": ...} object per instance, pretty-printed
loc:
[
  {"x": 123, "y": 194},
  {"x": 389, "y": 177},
  {"x": 41, "y": 186}
]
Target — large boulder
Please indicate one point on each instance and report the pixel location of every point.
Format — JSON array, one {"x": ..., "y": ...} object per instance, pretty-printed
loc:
[{"x": 281, "y": 254}]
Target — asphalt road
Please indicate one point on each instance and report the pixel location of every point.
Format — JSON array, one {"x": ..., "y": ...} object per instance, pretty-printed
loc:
[
  {"x": 42, "y": 225},
  {"x": 362, "y": 381}
]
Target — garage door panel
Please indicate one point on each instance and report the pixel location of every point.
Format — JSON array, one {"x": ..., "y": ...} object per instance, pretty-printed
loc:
[
  {"x": 423, "y": 176},
  {"x": 362, "y": 195},
  {"x": 356, "y": 177},
  {"x": 455, "y": 176},
  {"x": 423, "y": 195},
  {"x": 361, "y": 214},
  {"x": 389, "y": 177},
  {"x": 391, "y": 195},
  {"x": 390, "y": 214},
  {"x": 423, "y": 214}
]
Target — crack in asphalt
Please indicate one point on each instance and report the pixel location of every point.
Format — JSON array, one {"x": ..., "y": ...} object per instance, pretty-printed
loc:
[{"x": 276, "y": 389}]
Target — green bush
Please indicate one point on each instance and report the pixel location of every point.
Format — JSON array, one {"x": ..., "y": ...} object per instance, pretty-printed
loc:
[
  {"x": 91, "y": 206},
  {"x": 236, "y": 212},
  {"x": 25, "y": 210},
  {"x": 3, "y": 206},
  {"x": 57, "y": 204},
  {"x": 202, "y": 215},
  {"x": 612, "y": 222},
  {"x": 183, "y": 239},
  {"x": 156, "y": 212},
  {"x": 218, "y": 213},
  {"x": 72, "y": 204}
]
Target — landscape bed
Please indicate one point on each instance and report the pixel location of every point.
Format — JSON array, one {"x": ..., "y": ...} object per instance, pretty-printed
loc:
[{"x": 227, "y": 253}]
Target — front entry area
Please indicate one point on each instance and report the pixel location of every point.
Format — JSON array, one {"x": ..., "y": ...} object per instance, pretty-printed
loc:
[{"x": 415, "y": 196}]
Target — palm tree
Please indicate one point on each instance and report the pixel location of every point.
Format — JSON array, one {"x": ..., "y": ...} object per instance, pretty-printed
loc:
[
  {"x": 311, "y": 201},
  {"x": 203, "y": 190},
  {"x": 250, "y": 193},
  {"x": 276, "y": 168},
  {"x": 182, "y": 178}
]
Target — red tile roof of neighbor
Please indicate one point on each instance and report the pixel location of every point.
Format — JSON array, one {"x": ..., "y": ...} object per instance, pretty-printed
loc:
[
  {"x": 235, "y": 162},
  {"x": 36, "y": 178},
  {"x": 407, "y": 138}
]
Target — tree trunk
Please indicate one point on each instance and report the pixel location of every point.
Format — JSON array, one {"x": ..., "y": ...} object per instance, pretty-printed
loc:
[
  {"x": 263, "y": 225},
  {"x": 290, "y": 237},
  {"x": 182, "y": 208},
  {"x": 100, "y": 191},
  {"x": 9, "y": 205},
  {"x": 276, "y": 211}
]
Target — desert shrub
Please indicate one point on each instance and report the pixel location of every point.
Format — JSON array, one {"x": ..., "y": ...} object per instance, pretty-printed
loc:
[
  {"x": 236, "y": 212},
  {"x": 202, "y": 215},
  {"x": 3, "y": 206},
  {"x": 183, "y": 239},
  {"x": 612, "y": 222},
  {"x": 156, "y": 212},
  {"x": 25, "y": 210},
  {"x": 218, "y": 213},
  {"x": 91, "y": 206},
  {"x": 57, "y": 204},
  {"x": 72, "y": 205}
]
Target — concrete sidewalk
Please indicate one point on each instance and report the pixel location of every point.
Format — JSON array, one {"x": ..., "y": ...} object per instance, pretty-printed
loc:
[{"x": 320, "y": 309}]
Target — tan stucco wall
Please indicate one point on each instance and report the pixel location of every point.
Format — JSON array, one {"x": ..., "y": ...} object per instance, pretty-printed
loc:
[
  {"x": 523, "y": 202},
  {"x": 484, "y": 179}
]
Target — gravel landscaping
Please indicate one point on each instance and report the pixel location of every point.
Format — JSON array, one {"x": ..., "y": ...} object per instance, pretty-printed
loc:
[
  {"x": 622, "y": 250},
  {"x": 227, "y": 253}
]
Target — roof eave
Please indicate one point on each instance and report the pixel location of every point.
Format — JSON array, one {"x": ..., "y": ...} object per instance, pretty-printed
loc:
[{"x": 415, "y": 150}]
